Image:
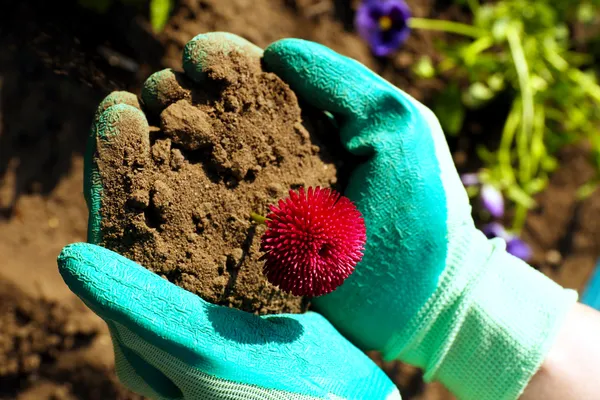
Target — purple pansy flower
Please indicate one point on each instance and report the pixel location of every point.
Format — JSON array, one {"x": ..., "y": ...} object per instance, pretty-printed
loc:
[
  {"x": 514, "y": 245},
  {"x": 492, "y": 200},
  {"x": 383, "y": 24}
]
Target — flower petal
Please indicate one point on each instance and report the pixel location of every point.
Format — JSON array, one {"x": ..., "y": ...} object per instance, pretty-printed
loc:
[
  {"x": 366, "y": 19},
  {"x": 382, "y": 49},
  {"x": 495, "y": 230},
  {"x": 519, "y": 248},
  {"x": 492, "y": 200},
  {"x": 470, "y": 179},
  {"x": 398, "y": 11}
]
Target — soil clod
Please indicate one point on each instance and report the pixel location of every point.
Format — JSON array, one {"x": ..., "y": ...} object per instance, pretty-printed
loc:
[{"x": 232, "y": 147}]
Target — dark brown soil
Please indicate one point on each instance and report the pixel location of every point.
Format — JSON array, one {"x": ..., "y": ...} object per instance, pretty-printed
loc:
[
  {"x": 564, "y": 231},
  {"x": 177, "y": 199},
  {"x": 24, "y": 346},
  {"x": 43, "y": 342}
]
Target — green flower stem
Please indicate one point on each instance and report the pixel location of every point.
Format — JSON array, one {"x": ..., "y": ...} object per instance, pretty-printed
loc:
[
  {"x": 555, "y": 59},
  {"x": 538, "y": 149},
  {"x": 519, "y": 218},
  {"x": 528, "y": 110},
  {"x": 446, "y": 26},
  {"x": 259, "y": 219},
  {"x": 473, "y": 6},
  {"x": 478, "y": 46},
  {"x": 574, "y": 74},
  {"x": 508, "y": 134},
  {"x": 586, "y": 82}
]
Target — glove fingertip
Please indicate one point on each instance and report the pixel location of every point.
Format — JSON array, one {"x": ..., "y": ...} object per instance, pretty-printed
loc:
[
  {"x": 163, "y": 88},
  {"x": 114, "y": 98},
  {"x": 73, "y": 264},
  {"x": 321, "y": 76},
  {"x": 198, "y": 52}
]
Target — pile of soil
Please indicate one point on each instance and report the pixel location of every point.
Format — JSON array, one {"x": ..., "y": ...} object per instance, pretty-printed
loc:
[{"x": 177, "y": 198}]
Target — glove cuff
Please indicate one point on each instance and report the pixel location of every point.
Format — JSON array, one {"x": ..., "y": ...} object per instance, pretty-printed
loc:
[{"x": 487, "y": 329}]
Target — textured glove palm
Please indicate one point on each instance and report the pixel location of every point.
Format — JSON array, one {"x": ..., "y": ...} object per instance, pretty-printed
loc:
[{"x": 431, "y": 289}]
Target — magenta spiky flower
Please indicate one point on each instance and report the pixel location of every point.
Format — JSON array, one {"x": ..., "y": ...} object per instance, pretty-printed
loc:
[{"x": 314, "y": 239}]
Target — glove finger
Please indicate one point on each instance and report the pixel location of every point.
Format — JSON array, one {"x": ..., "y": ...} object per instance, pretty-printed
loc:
[
  {"x": 110, "y": 100},
  {"x": 326, "y": 79},
  {"x": 164, "y": 88},
  {"x": 207, "y": 50},
  {"x": 114, "y": 98},
  {"x": 120, "y": 132}
]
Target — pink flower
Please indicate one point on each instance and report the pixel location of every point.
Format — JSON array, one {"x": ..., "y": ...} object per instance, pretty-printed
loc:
[{"x": 314, "y": 239}]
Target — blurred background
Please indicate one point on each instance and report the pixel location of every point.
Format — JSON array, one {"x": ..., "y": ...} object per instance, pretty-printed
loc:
[{"x": 513, "y": 82}]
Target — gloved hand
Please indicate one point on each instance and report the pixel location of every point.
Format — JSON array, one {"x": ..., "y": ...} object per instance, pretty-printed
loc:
[
  {"x": 169, "y": 343},
  {"x": 431, "y": 290}
]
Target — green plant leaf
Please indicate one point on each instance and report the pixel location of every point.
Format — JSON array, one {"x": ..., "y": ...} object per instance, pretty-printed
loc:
[
  {"x": 536, "y": 185},
  {"x": 449, "y": 109},
  {"x": 519, "y": 196},
  {"x": 586, "y": 12},
  {"x": 472, "y": 191},
  {"x": 586, "y": 190},
  {"x": 477, "y": 95},
  {"x": 424, "y": 68},
  {"x": 159, "y": 13},
  {"x": 485, "y": 155}
]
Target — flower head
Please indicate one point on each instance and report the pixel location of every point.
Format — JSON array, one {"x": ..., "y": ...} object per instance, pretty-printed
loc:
[
  {"x": 514, "y": 245},
  {"x": 314, "y": 239},
  {"x": 383, "y": 24}
]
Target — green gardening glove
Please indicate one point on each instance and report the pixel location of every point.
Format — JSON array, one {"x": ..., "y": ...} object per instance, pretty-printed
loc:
[
  {"x": 431, "y": 290},
  {"x": 171, "y": 344}
]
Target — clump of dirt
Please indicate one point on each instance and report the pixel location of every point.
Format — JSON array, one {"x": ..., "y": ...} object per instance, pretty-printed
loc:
[
  {"x": 36, "y": 335},
  {"x": 177, "y": 198},
  {"x": 33, "y": 331}
]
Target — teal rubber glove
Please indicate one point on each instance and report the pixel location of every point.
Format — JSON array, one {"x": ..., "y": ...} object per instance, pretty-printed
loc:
[
  {"x": 431, "y": 290},
  {"x": 171, "y": 344}
]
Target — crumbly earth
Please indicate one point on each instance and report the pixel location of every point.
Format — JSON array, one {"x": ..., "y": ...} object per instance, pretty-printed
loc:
[
  {"x": 56, "y": 347},
  {"x": 24, "y": 345},
  {"x": 180, "y": 203}
]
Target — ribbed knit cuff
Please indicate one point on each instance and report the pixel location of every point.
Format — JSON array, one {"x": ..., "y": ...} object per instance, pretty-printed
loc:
[{"x": 486, "y": 330}]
